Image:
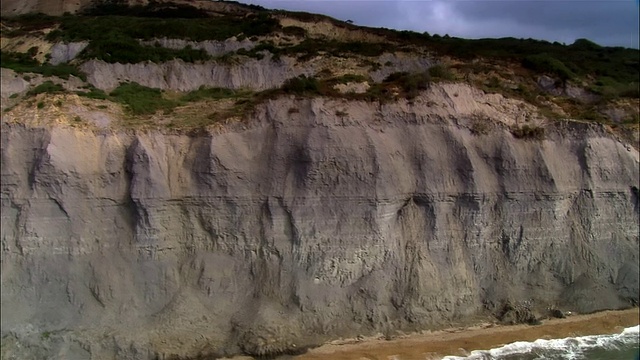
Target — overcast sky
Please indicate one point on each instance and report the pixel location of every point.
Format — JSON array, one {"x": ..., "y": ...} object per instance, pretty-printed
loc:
[{"x": 607, "y": 22}]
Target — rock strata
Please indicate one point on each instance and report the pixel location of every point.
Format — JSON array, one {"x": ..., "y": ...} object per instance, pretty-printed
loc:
[{"x": 302, "y": 227}]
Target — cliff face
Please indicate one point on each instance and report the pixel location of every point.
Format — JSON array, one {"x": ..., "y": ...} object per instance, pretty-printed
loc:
[{"x": 302, "y": 227}]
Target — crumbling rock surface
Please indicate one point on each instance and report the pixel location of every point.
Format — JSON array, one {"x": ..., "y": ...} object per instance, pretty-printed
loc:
[{"x": 298, "y": 228}]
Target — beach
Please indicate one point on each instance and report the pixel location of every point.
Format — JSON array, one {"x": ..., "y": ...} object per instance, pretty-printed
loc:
[{"x": 461, "y": 341}]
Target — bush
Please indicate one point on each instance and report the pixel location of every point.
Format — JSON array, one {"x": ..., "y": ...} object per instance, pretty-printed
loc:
[
  {"x": 208, "y": 93},
  {"x": 349, "y": 78},
  {"x": 25, "y": 63},
  {"x": 441, "y": 72},
  {"x": 302, "y": 85},
  {"x": 548, "y": 64},
  {"x": 410, "y": 84},
  {"x": 294, "y": 31},
  {"x": 141, "y": 100},
  {"x": 528, "y": 132},
  {"x": 47, "y": 87},
  {"x": 93, "y": 93}
]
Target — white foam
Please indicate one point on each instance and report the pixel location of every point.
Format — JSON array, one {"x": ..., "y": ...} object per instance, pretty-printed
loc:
[{"x": 570, "y": 348}]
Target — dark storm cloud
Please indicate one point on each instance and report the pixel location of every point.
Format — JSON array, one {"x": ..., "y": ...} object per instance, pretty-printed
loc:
[{"x": 607, "y": 22}]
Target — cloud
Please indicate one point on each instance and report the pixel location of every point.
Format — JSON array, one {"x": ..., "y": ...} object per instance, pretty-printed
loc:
[{"x": 611, "y": 22}]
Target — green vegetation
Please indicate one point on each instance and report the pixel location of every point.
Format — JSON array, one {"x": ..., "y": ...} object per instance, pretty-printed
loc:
[
  {"x": 294, "y": 31},
  {"x": 310, "y": 48},
  {"x": 93, "y": 93},
  {"x": 209, "y": 93},
  {"x": 114, "y": 30},
  {"x": 409, "y": 84},
  {"x": 546, "y": 64},
  {"x": 528, "y": 132},
  {"x": 507, "y": 66},
  {"x": 441, "y": 72},
  {"x": 47, "y": 87},
  {"x": 141, "y": 100},
  {"x": 26, "y": 63},
  {"x": 302, "y": 85}
]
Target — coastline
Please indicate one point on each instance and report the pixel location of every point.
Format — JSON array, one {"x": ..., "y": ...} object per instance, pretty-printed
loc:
[{"x": 461, "y": 341}]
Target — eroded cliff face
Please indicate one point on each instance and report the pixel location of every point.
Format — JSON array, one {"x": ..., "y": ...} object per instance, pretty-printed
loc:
[{"x": 302, "y": 227}]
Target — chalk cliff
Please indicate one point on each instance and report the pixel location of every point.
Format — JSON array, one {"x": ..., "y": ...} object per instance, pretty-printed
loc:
[{"x": 338, "y": 219}]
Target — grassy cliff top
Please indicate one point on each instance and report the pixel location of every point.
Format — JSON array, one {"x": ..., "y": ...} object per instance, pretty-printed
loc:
[{"x": 582, "y": 80}]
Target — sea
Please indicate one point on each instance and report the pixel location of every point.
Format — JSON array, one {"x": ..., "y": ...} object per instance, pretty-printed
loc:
[{"x": 622, "y": 346}]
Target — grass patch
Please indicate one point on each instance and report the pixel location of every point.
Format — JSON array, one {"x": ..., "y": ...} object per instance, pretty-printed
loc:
[
  {"x": 350, "y": 78},
  {"x": 25, "y": 63},
  {"x": 141, "y": 100},
  {"x": 47, "y": 87},
  {"x": 547, "y": 64},
  {"x": 409, "y": 84},
  {"x": 302, "y": 85},
  {"x": 441, "y": 72},
  {"x": 528, "y": 132},
  {"x": 209, "y": 93},
  {"x": 93, "y": 93}
]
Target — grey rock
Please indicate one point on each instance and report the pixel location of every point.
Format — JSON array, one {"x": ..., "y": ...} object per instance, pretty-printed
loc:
[
  {"x": 292, "y": 231},
  {"x": 12, "y": 83},
  {"x": 65, "y": 52},
  {"x": 180, "y": 76},
  {"x": 212, "y": 47}
]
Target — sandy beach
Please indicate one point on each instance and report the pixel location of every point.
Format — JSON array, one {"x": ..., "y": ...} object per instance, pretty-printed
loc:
[{"x": 460, "y": 341}]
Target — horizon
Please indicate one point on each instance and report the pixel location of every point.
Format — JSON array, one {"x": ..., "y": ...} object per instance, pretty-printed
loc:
[{"x": 612, "y": 23}]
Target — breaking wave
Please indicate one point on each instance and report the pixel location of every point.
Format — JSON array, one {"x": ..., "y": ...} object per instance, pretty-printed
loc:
[{"x": 621, "y": 346}]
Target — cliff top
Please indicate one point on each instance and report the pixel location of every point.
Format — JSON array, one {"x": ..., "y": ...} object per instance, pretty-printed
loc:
[{"x": 159, "y": 59}]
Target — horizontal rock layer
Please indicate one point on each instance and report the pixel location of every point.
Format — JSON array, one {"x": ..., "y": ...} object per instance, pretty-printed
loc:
[{"x": 303, "y": 227}]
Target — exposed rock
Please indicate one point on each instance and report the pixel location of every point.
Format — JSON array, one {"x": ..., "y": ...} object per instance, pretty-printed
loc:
[
  {"x": 517, "y": 314},
  {"x": 352, "y": 87},
  {"x": 12, "y": 83},
  {"x": 557, "y": 313},
  {"x": 558, "y": 88},
  {"x": 316, "y": 226},
  {"x": 213, "y": 48},
  {"x": 548, "y": 84},
  {"x": 178, "y": 75},
  {"x": 65, "y": 52}
]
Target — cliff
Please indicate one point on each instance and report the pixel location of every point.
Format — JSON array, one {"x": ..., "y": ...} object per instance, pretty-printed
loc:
[
  {"x": 193, "y": 179},
  {"x": 338, "y": 219}
]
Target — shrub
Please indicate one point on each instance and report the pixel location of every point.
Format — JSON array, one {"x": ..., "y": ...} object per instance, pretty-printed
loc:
[
  {"x": 441, "y": 72},
  {"x": 47, "y": 87},
  {"x": 410, "y": 84},
  {"x": 208, "y": 93},
  {"x": 349, "y": 78},
  {"x": 302, "y": 85},
  {"x": 480, "y": 127},
  {"x": 25, "y": 63},
  {"x": 548, "y": 64},
  {"x": 141, "y": 100},
  {"x": 93, "y": 93},
  {"x": 294, "y": 31},
  {"x": 528, "y": 132}
]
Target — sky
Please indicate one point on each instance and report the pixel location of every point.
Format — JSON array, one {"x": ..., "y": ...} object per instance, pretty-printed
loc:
[{"x": 606, "y": 22}]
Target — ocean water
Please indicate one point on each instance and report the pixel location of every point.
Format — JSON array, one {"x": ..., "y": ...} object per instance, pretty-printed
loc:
[{"x": 623, "y": 346}]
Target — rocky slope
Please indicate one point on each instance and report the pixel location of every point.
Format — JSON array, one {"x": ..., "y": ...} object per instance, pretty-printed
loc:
[
  {"x": 291, "y": 212},
  {"x": 299, "y": 227}
]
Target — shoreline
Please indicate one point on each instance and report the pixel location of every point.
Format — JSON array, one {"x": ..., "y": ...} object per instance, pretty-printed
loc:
[{"x": 461, "y": 341}]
